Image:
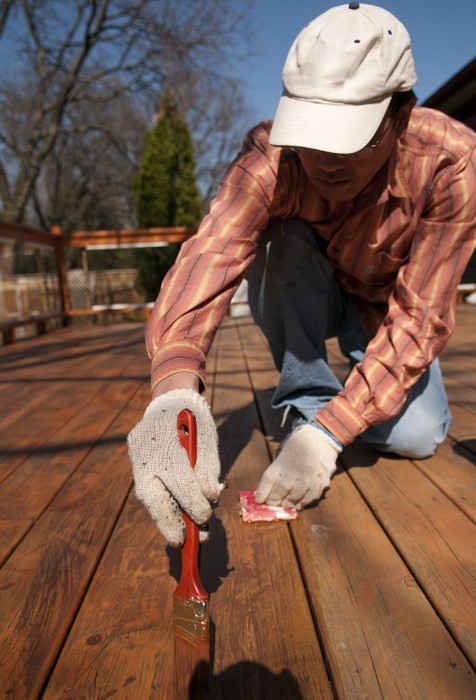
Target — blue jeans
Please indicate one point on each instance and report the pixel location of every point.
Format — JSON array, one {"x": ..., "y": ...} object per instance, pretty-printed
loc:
[{"x": 296, "y": 301}]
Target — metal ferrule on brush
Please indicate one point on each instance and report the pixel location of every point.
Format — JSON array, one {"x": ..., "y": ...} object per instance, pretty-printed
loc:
[{"x": 191, "y": 620}]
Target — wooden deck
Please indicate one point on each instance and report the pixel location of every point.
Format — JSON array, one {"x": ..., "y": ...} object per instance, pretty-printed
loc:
[{"x": 368, "y": 595}]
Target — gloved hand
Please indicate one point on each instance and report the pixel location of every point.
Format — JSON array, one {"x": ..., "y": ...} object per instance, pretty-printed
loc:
[
  {"x": 164, "y": 478},
  {"x": 302, "y": 469}
]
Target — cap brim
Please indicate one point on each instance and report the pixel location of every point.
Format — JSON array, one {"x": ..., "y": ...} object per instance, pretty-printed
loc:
[{"x": 336, "y": 128}]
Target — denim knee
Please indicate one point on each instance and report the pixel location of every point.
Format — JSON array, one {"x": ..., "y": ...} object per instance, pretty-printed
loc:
[
  {"x": 410, "y": 437},
  {"x": 422, "y": 424}
]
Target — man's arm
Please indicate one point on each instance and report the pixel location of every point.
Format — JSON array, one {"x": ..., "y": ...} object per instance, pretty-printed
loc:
[
  {"x": 421, "y": 310},
  {"x": 198, "y": 289},
  {"x": 194, "y": 297}
]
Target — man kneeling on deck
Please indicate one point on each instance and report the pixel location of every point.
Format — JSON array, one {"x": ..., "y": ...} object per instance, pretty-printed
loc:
[{"x": 353, "y": 216}]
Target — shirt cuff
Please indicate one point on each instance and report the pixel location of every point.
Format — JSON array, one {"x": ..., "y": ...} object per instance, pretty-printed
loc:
[
  {"x": 342, "y": 420},
  {"x": 176, "y": 357}
]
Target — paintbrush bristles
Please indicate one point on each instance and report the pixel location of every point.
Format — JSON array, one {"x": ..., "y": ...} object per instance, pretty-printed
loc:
[
  {"x": 191, "y": 669},
  {"x": 191, "y": 620}
]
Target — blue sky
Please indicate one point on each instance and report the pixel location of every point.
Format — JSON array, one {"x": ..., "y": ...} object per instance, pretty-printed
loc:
[
  {"x": 443, "y": 41},
  {"x": 443, "y": 38}
]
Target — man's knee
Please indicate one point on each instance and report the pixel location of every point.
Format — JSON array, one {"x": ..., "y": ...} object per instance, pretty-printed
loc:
[
  {"x": 423, "y": 423},
  {"x": 410, "y": 439},
  {"x": 286, "y": 239},
  {"x": 288, "y": 267}
]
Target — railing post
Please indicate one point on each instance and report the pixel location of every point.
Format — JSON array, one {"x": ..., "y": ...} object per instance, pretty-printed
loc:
[{"x": 62, "y": 272}]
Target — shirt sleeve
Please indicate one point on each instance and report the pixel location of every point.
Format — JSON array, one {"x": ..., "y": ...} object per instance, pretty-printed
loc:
[
  {"x": 198, "y": 289},
  {"x": 421, "y": 310}
]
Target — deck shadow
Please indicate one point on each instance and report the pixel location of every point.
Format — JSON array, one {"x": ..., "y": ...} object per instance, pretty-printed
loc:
[{"x": 213, "y": 564}]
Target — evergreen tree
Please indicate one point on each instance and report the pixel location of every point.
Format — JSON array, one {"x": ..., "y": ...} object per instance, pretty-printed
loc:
[{"x": 166, "y": 191}]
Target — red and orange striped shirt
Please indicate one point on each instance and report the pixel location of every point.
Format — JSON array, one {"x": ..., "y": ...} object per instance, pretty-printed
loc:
[{"x": 399, "y": 248}]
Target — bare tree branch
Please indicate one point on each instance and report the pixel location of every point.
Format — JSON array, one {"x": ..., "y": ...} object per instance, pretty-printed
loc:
[
  {"x": 4, "y": 187},
  {"x": 5, "y": 9},
  {"x": 79, "y": 55}
]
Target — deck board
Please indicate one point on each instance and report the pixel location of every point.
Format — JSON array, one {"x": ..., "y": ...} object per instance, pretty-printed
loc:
[
  {"x": 412, "y": 540},
  {"x": 369, "y": 594}
]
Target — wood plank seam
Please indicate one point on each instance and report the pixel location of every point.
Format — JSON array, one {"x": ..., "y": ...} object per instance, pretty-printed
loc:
[
  {"x": 384, "y": 530},
  {"x": 412, "y": 569}
]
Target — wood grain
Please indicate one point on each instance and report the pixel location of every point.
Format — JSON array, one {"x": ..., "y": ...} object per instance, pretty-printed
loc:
[
  {"x": 370, "y": 594},
  {"x": 364, "y": 595},
  {"x": 44, "y": 580}
]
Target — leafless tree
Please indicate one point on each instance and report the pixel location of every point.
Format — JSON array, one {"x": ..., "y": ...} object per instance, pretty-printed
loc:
[
  {"x": 87, "y": 180},
  {"x": 5, "y": 8},
  {"x": 218, "y": 117},
  {"x": 85, "y": 65}
]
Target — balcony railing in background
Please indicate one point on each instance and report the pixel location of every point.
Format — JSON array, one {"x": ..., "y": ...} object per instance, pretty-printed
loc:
[
  {"x": 54, "y": 241},
  {"x": 67, "y": 308}
]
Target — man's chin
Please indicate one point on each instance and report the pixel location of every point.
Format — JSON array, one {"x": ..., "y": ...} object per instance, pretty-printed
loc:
[{"x": 337, "y": 191}]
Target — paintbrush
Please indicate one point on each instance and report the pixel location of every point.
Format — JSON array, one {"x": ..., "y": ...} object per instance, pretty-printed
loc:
[{"x": 191, "y": 621}]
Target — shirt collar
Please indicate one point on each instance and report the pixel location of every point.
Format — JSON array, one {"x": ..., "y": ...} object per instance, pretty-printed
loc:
[
  {"x": 390, "y": 182},
  {"x": 397, "y": 182}
]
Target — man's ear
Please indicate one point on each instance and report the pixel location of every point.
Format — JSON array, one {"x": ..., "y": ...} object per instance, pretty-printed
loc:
[
  {"x": 406, "y": 109},
  {"x": 401, "y": 120}
]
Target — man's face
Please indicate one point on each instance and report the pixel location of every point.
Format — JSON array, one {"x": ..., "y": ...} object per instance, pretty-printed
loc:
[{"x": 341, "y": 178}]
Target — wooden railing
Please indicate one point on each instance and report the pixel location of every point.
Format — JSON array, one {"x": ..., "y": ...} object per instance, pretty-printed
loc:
[
  {"x": 59, "y": 243},
  {"x": 109, "y": 238}
]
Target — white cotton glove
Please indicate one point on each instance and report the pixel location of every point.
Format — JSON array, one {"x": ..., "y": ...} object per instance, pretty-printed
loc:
[
  {"x": 164, "y": 478},
  {"x": 302, "y": 470}
]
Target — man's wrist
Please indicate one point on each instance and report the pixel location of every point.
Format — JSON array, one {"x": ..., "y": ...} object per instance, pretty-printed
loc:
[
  {"x": 179, "y": 380},
  {"x": 326, "y": 432}
]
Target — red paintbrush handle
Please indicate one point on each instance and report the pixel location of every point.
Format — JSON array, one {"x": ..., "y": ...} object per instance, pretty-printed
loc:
[{"x": 190, "y": 585}]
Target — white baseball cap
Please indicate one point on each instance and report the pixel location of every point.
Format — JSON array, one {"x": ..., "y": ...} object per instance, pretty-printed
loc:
[{"x": 339, "y": 77}]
